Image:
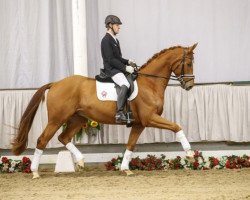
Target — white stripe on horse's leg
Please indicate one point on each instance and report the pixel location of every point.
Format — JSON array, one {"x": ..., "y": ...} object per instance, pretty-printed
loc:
[
  {"x": 125, "y": 161},
  {"x": 185, "y": 144},
  {"x": 35, "y": 162},
  {"x": 78, "y": 155}
]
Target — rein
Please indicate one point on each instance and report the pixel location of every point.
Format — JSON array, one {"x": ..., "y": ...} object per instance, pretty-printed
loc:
[{"x": 172, "y": 77}]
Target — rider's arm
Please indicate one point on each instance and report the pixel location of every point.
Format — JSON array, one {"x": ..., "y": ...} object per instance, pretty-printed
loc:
[{"x": 124, "y": 61}]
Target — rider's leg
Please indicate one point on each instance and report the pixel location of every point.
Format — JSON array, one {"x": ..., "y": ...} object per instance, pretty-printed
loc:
[
  {"x": 122, "y": 81},
  {"x": 122, "y": 97}
]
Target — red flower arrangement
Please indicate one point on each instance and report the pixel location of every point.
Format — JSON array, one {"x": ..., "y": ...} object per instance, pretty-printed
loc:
[
  {"x": 114, "y": 164},
  {"x": 213, "y": 162},
  {"x": 199, "y": 162},
  {"x": 11, "y": 166},
  {"x": 151, "y": 162},
  {"x": 25, "y": 165},
  {"x": 175, "y": 163}
]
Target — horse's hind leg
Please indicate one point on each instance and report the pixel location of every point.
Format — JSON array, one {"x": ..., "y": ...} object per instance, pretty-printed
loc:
[
  {"x": 42, "y": 141},
  {"x": 133, "y": 137},
  {"x": 73, "y": 125}
]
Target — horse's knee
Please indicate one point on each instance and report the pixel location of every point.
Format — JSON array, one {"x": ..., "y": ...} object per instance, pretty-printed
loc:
[
  {"x": 64, "y": 140},
  {"x": 176, "y": 128},
  {"x": 41, "y": 143}
]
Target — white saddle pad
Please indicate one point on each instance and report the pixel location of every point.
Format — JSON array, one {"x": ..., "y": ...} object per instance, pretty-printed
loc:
[{"x": 107, "y": 91}]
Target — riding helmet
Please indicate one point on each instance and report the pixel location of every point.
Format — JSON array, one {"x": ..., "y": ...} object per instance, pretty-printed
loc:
[{"x": 112, "y": 19}]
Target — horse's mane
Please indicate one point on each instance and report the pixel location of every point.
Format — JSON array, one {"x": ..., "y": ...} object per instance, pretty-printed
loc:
[{"x": 158, "y": 54}]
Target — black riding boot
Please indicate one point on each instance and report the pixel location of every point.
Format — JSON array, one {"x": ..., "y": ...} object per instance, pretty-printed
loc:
[{"x": 122, "y": 97}]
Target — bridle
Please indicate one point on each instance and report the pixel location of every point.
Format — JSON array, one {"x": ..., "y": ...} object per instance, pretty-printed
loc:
[
  {"x": 174, "y": 77},
  {"x": 183, "y": 75}
]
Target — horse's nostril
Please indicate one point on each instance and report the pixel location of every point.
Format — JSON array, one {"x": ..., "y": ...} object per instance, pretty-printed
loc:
[{"x": 189, "y": 87}]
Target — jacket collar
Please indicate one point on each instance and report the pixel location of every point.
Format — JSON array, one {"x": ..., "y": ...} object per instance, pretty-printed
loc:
[{"x": 113, "y": 37}]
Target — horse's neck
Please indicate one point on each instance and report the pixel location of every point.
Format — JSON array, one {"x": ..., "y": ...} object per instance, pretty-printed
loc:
[{"x": 160, "y": 67}]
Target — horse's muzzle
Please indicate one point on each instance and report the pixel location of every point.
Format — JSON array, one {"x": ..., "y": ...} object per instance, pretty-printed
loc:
[
  {"x": 188, "y": 85},
  {"x": 189, "y": 88}
]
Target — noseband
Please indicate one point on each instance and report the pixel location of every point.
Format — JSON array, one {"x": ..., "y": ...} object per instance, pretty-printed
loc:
[{"x": 174, "y": 77}]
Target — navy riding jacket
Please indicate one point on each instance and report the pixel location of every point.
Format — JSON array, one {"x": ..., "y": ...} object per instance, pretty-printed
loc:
[{"x": 112, "y": 56}]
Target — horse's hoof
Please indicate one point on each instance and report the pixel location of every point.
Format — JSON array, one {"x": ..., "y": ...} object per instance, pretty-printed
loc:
[
  {"x": 190, "y": 156},
  {"x": 35, "y": 175},
  {"x": 128, "y": 172},
  {"x": 80, "y": 166},
  {"x": 190, "y": 159}
]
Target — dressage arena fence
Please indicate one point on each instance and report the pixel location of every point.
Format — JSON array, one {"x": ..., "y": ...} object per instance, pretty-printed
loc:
[{"x": 65, "y": 163}]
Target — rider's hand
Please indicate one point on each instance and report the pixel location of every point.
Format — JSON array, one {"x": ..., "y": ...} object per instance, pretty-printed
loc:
[
  {"x": 130, "y": 69},
  {"x": 132, "y": 63}
]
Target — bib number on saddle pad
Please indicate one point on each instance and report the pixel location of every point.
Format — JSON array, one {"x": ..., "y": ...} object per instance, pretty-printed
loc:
[{"x": 107, "y": 91}]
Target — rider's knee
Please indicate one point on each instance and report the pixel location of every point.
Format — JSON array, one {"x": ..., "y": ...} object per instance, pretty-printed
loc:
[{"x": 127, "y": 84}]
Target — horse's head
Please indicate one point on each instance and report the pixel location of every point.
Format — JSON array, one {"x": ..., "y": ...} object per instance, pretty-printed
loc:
[{"x": 183, "y": 68}]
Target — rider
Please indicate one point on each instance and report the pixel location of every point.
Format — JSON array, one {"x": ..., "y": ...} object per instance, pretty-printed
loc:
[{"x": 115, "y": 66}]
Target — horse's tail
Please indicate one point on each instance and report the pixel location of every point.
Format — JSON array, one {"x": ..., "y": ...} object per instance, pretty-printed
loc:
[{"x": 21, "y": 141}]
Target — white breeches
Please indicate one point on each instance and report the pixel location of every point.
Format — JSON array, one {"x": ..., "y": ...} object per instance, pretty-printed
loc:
[{"x": 120, "y": 80}]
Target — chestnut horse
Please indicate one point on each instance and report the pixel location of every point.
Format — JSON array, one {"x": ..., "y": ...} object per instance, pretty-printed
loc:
[{"x": 73, "y": 100}]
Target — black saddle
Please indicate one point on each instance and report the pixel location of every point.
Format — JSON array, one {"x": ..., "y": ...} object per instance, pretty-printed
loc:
[{"x": 103, "y": 77}]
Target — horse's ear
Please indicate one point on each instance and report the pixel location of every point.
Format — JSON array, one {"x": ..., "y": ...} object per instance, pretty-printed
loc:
[{"x": 193, "y": 47}]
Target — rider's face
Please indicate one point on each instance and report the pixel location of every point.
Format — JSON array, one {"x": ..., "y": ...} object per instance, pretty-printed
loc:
[{"x": 116, "y": 28}]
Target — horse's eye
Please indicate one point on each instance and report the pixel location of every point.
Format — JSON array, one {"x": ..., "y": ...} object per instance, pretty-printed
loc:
[{"x": 189, "y": 65}]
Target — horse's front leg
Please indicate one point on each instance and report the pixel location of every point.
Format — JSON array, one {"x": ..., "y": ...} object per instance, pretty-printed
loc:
[
  {"x": 159, "y": 122},
  {"x": 133, "y": 137}
]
